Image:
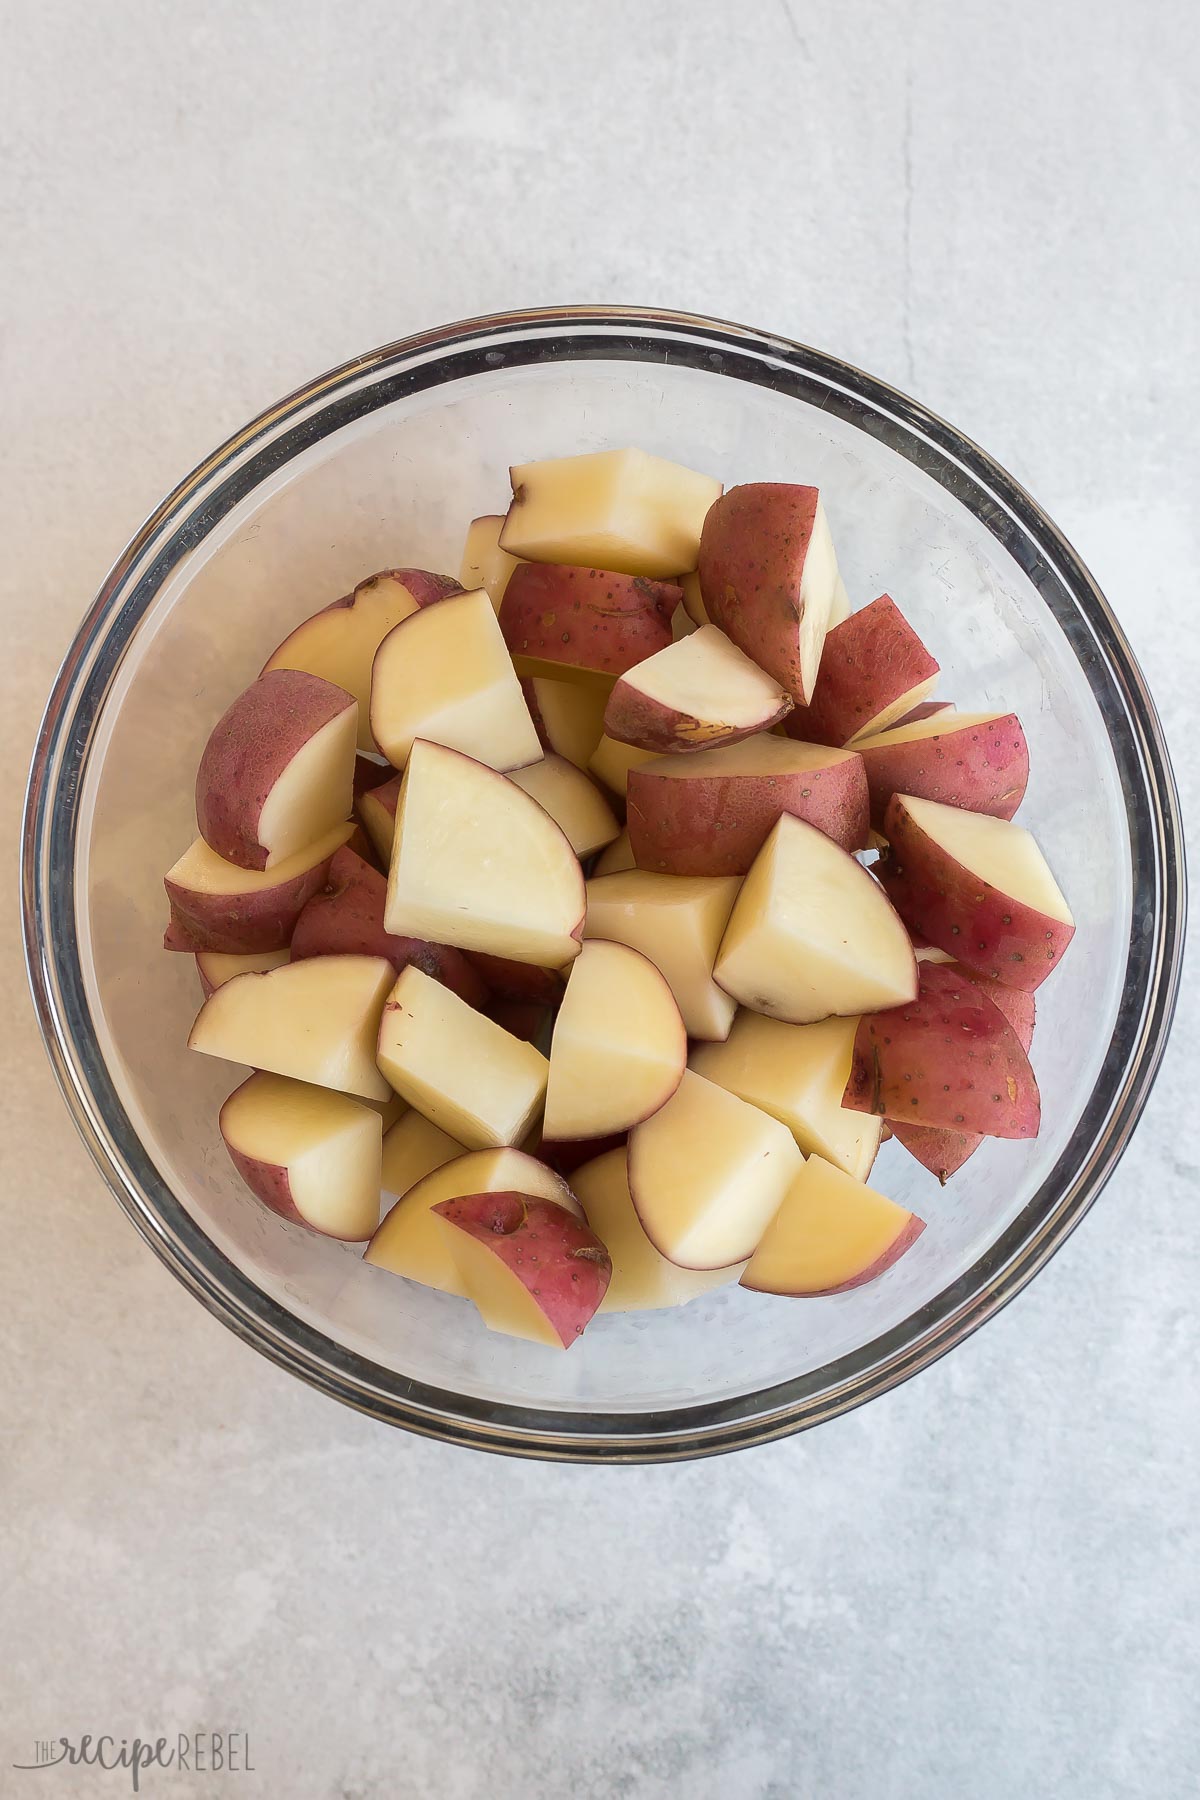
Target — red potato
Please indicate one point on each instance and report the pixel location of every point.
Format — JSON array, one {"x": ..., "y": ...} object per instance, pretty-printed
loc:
[
  {"x": 874, "y": 669},
  {"x": 682, "y": 624},
  {"x": 583, "y": 625},
  {"x": 456, "y": 817},
  {"x": 642, "y": 1280},
  {"x": 444, "y": 675},
  {"x": 412, "y": 1240},
  {"x": 619, "y": 1047},
  {"x": 831, "y": 1234},
  {"x": 312, "y": 1156},
  {"x": 339, "y": 642},
  {"x": 519, "y": 981},
  {"x": 369, "y": 774},
  {"x": 277, "y": 772},
  {"x": 377, "y": 810},
  {"x": 523, "y": 1019},
  {"x": 346, "y": 918},
  {"x": 214, "y": 968},
  {"x": 676, "y": 921},
  {"x": 926, "y": 710},
  {"x": 812, "y": 934},
  {"x": 839, "y": 607},
  {"x": 976, "y": 886},
  {"x": 979, "y": 761},
  {"x": 612, "y": 763},
  {"x": 317, "y": 1021},
  {"x": 413, "y": 1147},
  {"x": 768, "y": 575},
  {"x": 360, "y": 844},
  {"x": 948, "y": 1059},
  {"x": 700, "y": 691},
  {"x": 617, "y": 858},
  {"x": 484, "y": 563},
  {"x": 693, "y": 599},
  {"x": 241, "y": 912},
  {"x": 710, "y": 813},
  {"x": 531, "y": 1267},
  {"x": 568, "y": 717},
  {"x": 613, "y": 509},
  {"x": 573, "y": 800}
]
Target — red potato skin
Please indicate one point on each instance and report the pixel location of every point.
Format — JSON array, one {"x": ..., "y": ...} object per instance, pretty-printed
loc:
[
  {"x": 249, "y": 748},
  {"x": 364, "y": 849},
  {"x": 565, "y": 1155},
  {"x": 986, "y": 931},
  {"x": 752, "y": 553},
  {"x": 869, "y": 660},
  {"x": 518, "y": 981},
  {"x": 716, "y": 825},
  {"x": 551, "y": 1253},
  {"x": 925, "y": 710},
  {"x": 346, "y": 919},
  {"x": 424, "y": 586},
  {"x": 949, "y": 1059},
  {"x": 584, "y": 619},
  {"x": 268, "y": 1182},
  {"x": 385, "y": 798},
  {"x": 369, "y": 775},
  {"x": 240, "y": 923},
  {"x": 984, "y": 768},
  {"x": 633, "y": 717},
  {"x": 895, "y": 1250}
]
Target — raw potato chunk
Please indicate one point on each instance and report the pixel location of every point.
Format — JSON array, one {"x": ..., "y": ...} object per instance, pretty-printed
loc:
[
  {"x": 317, "y": 1021},
  {"x": 768, "y": 574},
  {"x": 617, "y": 858},
  {"x": 310, "y": 1155},
  {"x": 874, "y": 670},
  {"x": 707, "y": 1174},
  {"x": 949, "y": 1059},
  {"x": 979, "y": 761},
  {"x": 925, "y": 710},
  {"x": 812, "y": 934},
  {"x": 484, "y": 563},
  {"x": 519, "y": 981},
  {"x": 693, "y": 599},
  {"x": 830, "y": 1234},
  {"x": 462, "y": 1070},
  {"x": 711, "y": 813},
  {"x": 573, "y": 801},
  {"x": 699, "y": 691},
  {"x": 377, "y": 810},
  {"x": 339, "y": 643},
  {"x": 412, "y": 1148},
  {"x": 977, "y": 887},
  {"x": 413, "y": 1242},
  {"x": 583, "y": 625},
  {"x": 214, "y": 968},
  {"x": 346, "y": 918},
  {"x": 840, "y": 607},
  {"x": 619, "y": 1047},
  {"x": 798, "y": 1074},
  {"x": 533, "y": 1269},
  {"x": 682, "y": 624},
  {"x": 613, "y": 763},
  {"x": 241, "y": 912},
  {"x": 614, "y": 509},
  {"x": 642, "y": 1280},
  {"x": 568, "y": 717},
  {"x": 277, "y": 772},
  {"x": 677, "y": 922},
  {"x": 456, "y": 818},
  {"x": 445, "y": 676}
]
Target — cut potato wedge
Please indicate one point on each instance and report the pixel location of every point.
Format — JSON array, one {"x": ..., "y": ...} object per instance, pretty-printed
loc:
[
  {"x": 583, "y": 625},
  {"x": 616, "y": 859},
  {"x": 693, "y": 599},
  {"x": 700, "y": 691},
  {"x": 316, "y": 1021},
  {"x": 830, "y": 1234},
  {"x": 613, "y": 509},
  {"x": 412, "y": 1242},
  {"x": 619, "y": 1047},
  {"x": 412, "y": 1148},
  {"x": 214, "y": 969},
  {"x": 376, "y": 808},
  {"x": 215, "y": 906},
  {"x": 612, "y": 763},
  {"x": 573, "y": 801},
  {"x": 484, "y": 563},
  {"x": 798, "y": 1074},
  {"x": 707, "y": 1174},
  {"x": 569, "y": 717},
  {"x": 979, "y": 761},
  {"x": 532, "y": 1269},
  {"x": 444, "y": 675},
  {"x": 312, "y": 1156},
  {"x": 480, "y": 865},
  {"x": 339, "y": 643},
  {"x": 472, "y": 1078},
  {"x": 976, "y": 886},
  {"x": 677, "y": 921},
  {"x": 812, "y": 934},
  {"x": 874, "y": 670},
  {"x": 642, "y": 1280}
]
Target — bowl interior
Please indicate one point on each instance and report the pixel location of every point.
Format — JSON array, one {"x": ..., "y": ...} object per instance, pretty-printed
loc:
[{"x": 392, "y": 479}]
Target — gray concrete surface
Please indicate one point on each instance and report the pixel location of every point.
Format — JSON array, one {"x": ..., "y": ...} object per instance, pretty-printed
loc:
[{"x": 982, "y": 1587}]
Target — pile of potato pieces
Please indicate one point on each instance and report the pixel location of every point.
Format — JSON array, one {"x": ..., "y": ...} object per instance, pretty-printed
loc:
[{"x": 608, "y": 792}]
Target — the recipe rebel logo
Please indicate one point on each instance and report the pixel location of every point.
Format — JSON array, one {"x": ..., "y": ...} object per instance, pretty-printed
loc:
[{"x": 186, "y": 1753}]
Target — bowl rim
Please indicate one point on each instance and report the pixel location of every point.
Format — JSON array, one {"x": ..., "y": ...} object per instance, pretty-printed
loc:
[{"x": 560, "y": 335}]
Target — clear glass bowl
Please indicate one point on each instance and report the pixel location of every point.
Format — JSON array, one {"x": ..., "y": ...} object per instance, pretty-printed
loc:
[{"x": 382, "y": 462}]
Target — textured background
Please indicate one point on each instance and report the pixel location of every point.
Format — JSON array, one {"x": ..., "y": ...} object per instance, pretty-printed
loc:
[{"x": 982, "y": 1586}]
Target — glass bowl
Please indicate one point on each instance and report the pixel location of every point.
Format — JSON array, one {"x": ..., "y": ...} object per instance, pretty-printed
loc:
[{"x": 383, "y": 462}]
